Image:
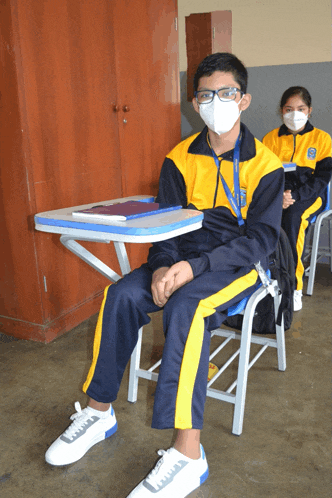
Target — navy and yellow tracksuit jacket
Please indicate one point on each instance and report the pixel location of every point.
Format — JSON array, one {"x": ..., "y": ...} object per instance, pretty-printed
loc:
[
  {"x": 222, "y": 260},
  {"x": 310, "y": 149},
  {"x": 189, "y": 177}
]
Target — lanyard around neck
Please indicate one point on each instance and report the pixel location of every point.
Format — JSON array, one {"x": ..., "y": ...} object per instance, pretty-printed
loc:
[
  {"x": 235, "y": 201},
  {"x": 236, "y": 205}
]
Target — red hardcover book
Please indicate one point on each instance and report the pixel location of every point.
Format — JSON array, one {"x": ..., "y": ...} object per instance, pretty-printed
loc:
[{"x": 124, "y": 211}]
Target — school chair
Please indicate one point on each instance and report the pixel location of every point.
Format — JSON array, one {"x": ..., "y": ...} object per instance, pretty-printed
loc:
[
  {"x": 247, "y": 307},
  {"x": 314, "y": 254}
]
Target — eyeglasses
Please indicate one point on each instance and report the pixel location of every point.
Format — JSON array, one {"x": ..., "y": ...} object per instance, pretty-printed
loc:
[{"x": 224, "y": 94}]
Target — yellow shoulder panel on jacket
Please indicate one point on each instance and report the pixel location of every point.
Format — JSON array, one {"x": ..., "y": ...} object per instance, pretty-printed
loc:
[
  {"x": 180, "y": 152},
  {"x": 199, "y": 173},
  {"x": 270, "y": 139},
  {"x": 323, "y": 142},
  {"x": 252, "y": 171},
  {"x": 264, "y": 162},
  {"x": 267, "y": 158}
]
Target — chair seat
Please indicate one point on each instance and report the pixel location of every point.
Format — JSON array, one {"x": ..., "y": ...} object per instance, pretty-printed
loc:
[{"x": 239, "y": 307}]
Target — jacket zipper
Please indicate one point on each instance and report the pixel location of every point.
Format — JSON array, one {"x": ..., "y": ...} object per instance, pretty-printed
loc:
[
  {"x": 294, "y": 146},
  {"x": 217, "y": 184}
]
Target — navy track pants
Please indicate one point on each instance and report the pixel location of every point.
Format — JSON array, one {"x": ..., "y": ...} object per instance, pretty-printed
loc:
[
  {"x": 188, "y": 317},
  {"x": 295, "y": 222}
]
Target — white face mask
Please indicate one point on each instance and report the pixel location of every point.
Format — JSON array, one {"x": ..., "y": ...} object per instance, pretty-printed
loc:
[
  {"x": 220, "y": 116},
  {"x": 295, "y": 120}
]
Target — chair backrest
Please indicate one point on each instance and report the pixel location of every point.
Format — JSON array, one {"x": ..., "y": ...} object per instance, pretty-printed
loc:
[{"x": 328, "y": 202}]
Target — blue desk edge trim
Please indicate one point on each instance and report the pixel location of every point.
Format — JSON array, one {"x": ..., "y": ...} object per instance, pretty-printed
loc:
[{"x": 116, "y": 228}]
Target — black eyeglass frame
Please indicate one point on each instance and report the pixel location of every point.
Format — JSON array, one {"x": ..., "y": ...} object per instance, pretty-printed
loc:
[{"x": 216, "y": 92}]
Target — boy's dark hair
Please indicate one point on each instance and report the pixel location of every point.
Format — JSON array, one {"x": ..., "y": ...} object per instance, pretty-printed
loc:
[
  {"x": 296, "y": 90},
  {"x": 225, "y": 62}
]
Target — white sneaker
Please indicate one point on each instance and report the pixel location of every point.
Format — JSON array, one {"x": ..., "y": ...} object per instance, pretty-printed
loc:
[
  {"x": 174, "y": 475},
  {"x": 297, "y": 299},
  {"x": 88, "y": 428}
]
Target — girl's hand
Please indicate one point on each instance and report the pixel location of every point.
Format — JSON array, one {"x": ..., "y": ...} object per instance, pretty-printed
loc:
[{"x": 287, "y": 199}]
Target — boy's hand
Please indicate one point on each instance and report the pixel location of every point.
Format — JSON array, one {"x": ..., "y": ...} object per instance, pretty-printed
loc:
[
  {"x": 165, "y": 281},
  {"x": 158, "y": 286},
  {"x": 177, "y": 276},
  {"x": 287, "y": 199}
]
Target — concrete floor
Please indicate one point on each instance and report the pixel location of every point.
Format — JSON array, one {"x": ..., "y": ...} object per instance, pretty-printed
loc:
[{"x": 284, "y": 450}]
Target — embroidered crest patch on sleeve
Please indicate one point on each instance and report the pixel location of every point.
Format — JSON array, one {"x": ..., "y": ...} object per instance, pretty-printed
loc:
[{"x": 311, "y": 154}]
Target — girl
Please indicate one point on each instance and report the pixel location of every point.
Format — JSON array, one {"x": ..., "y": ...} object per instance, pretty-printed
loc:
[{"x": 305, "y": 192}]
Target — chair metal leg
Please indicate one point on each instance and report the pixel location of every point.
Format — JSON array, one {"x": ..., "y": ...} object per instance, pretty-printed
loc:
[
  {"x": 313, "y": 259},
  {"x": 314, "y": 251},
  {"x": 330, "y": 243},
  {"x": 280, "y": 336},
  {"x": 243, "y": 368},
  {"x": 134, "y": 367}
]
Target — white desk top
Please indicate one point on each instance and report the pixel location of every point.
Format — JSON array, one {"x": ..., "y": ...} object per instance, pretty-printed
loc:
[{"x": 146, "y": 229}]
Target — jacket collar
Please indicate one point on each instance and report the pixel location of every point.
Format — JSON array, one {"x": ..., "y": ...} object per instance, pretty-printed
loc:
[
  {"x": 201, "y": 146},
  {"x": 283, "y": 130}
]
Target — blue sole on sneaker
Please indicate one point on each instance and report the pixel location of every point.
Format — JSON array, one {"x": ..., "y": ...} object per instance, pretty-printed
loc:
[
  {"x": 111, "y": 431},
  {"x": 204, "y": 476}
]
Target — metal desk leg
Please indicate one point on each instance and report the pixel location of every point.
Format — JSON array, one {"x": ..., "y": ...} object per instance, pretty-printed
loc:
[
  {"x": 122, "y": 257},
  {"x": 92, "y": 260}
]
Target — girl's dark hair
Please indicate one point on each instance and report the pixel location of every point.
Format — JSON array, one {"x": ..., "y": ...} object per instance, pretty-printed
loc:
[
  {"x": 296, "y": 90},
  {"x": 225, "y": 62}
]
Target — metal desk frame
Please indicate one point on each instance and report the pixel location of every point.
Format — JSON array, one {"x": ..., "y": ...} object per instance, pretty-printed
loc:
[{"x": 147, "y": 229}]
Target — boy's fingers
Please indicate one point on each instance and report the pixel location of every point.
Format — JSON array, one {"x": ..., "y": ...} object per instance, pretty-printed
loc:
[
  {"x": 169, "y": 274},
  {"x": 169, "y": 285},
  {"x": 157, "y": 293}
]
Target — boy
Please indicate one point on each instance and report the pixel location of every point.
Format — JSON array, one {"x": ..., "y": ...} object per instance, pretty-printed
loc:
[{"x": 194, "y": 277}]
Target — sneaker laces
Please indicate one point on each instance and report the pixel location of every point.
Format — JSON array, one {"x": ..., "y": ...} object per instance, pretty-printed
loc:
[
  {"x": 164, "y": 469},
  {"x": 80, "y": 418}
]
